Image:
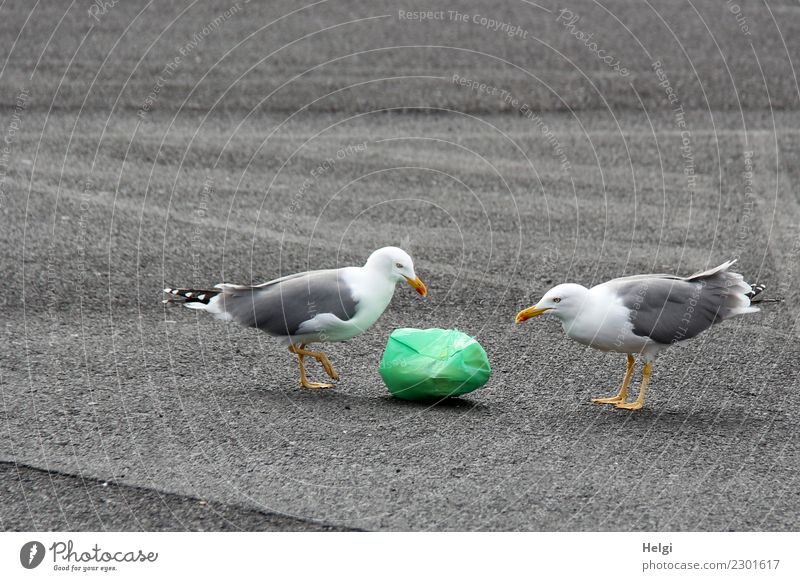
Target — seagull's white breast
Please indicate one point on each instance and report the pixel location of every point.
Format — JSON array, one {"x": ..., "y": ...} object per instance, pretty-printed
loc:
[
  {"x": 603, "y": 322},
  {"x": 373, "y": 294}
]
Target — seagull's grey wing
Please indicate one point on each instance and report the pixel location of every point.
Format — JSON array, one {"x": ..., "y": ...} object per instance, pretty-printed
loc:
[
  {"x": 669, "y": 309},
  {"x": 281, "y": 306}
]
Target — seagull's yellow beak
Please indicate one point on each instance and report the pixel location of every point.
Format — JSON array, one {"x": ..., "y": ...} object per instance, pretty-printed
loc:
[
  {"x": 418, "y": 285},
  {"x": 530, "y": 313}
]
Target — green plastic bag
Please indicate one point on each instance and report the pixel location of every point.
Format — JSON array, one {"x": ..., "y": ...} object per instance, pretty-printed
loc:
[{"x": 420, "y": 364}]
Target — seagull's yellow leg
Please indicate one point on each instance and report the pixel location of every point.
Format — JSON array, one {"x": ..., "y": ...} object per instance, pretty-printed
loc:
[
  {"x": 635, "y": 405},
  {"x": 304, "y": 382},
  {"x": 622, "y": 395},
  {"x": 323, "y": 359}
]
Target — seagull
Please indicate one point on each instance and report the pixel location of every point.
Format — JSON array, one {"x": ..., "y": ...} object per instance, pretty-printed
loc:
[
  {"x": 645, "y": 314},
  {"x": 310, "y": 307}
]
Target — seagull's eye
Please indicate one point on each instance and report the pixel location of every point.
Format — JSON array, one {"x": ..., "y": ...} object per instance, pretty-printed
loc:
[
  {"x": 398, "y": 265},
  {"x": 556, "y": 299}
]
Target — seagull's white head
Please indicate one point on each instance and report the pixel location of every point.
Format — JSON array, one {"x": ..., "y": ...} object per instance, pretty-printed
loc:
[
  {"x": 397, "y": 266},
  {"x": 564, "y": 301}
]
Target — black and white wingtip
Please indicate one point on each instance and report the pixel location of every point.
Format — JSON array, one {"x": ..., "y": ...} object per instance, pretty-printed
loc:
[
  {"x": 189, "y": 295},
  {"x": 755, "y": 292}
]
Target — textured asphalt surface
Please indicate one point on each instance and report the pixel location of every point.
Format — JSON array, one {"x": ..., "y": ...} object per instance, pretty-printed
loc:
[{"x": 123, "y": 175}]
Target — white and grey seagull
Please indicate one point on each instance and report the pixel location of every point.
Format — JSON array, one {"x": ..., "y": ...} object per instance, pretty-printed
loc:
[
  {"x": 310, "y": 307},
  {"x": 645, "y": 314}
]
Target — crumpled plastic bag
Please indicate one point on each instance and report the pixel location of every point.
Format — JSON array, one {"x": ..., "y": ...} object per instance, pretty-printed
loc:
[{"x": 420, "y": 364}]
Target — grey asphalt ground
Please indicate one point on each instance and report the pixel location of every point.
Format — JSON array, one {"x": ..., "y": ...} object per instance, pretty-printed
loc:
[
  {"x": 123, "y": 174},
  {"x": 34, "y": 497}
]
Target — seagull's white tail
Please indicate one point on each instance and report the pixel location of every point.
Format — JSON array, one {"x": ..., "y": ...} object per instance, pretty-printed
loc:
[
  {"x": 190, "y": 297},
  {"x": 199, "y": 299},
  {"x": 755, "y": 293},
  {"x": 734, "y": 294}
]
